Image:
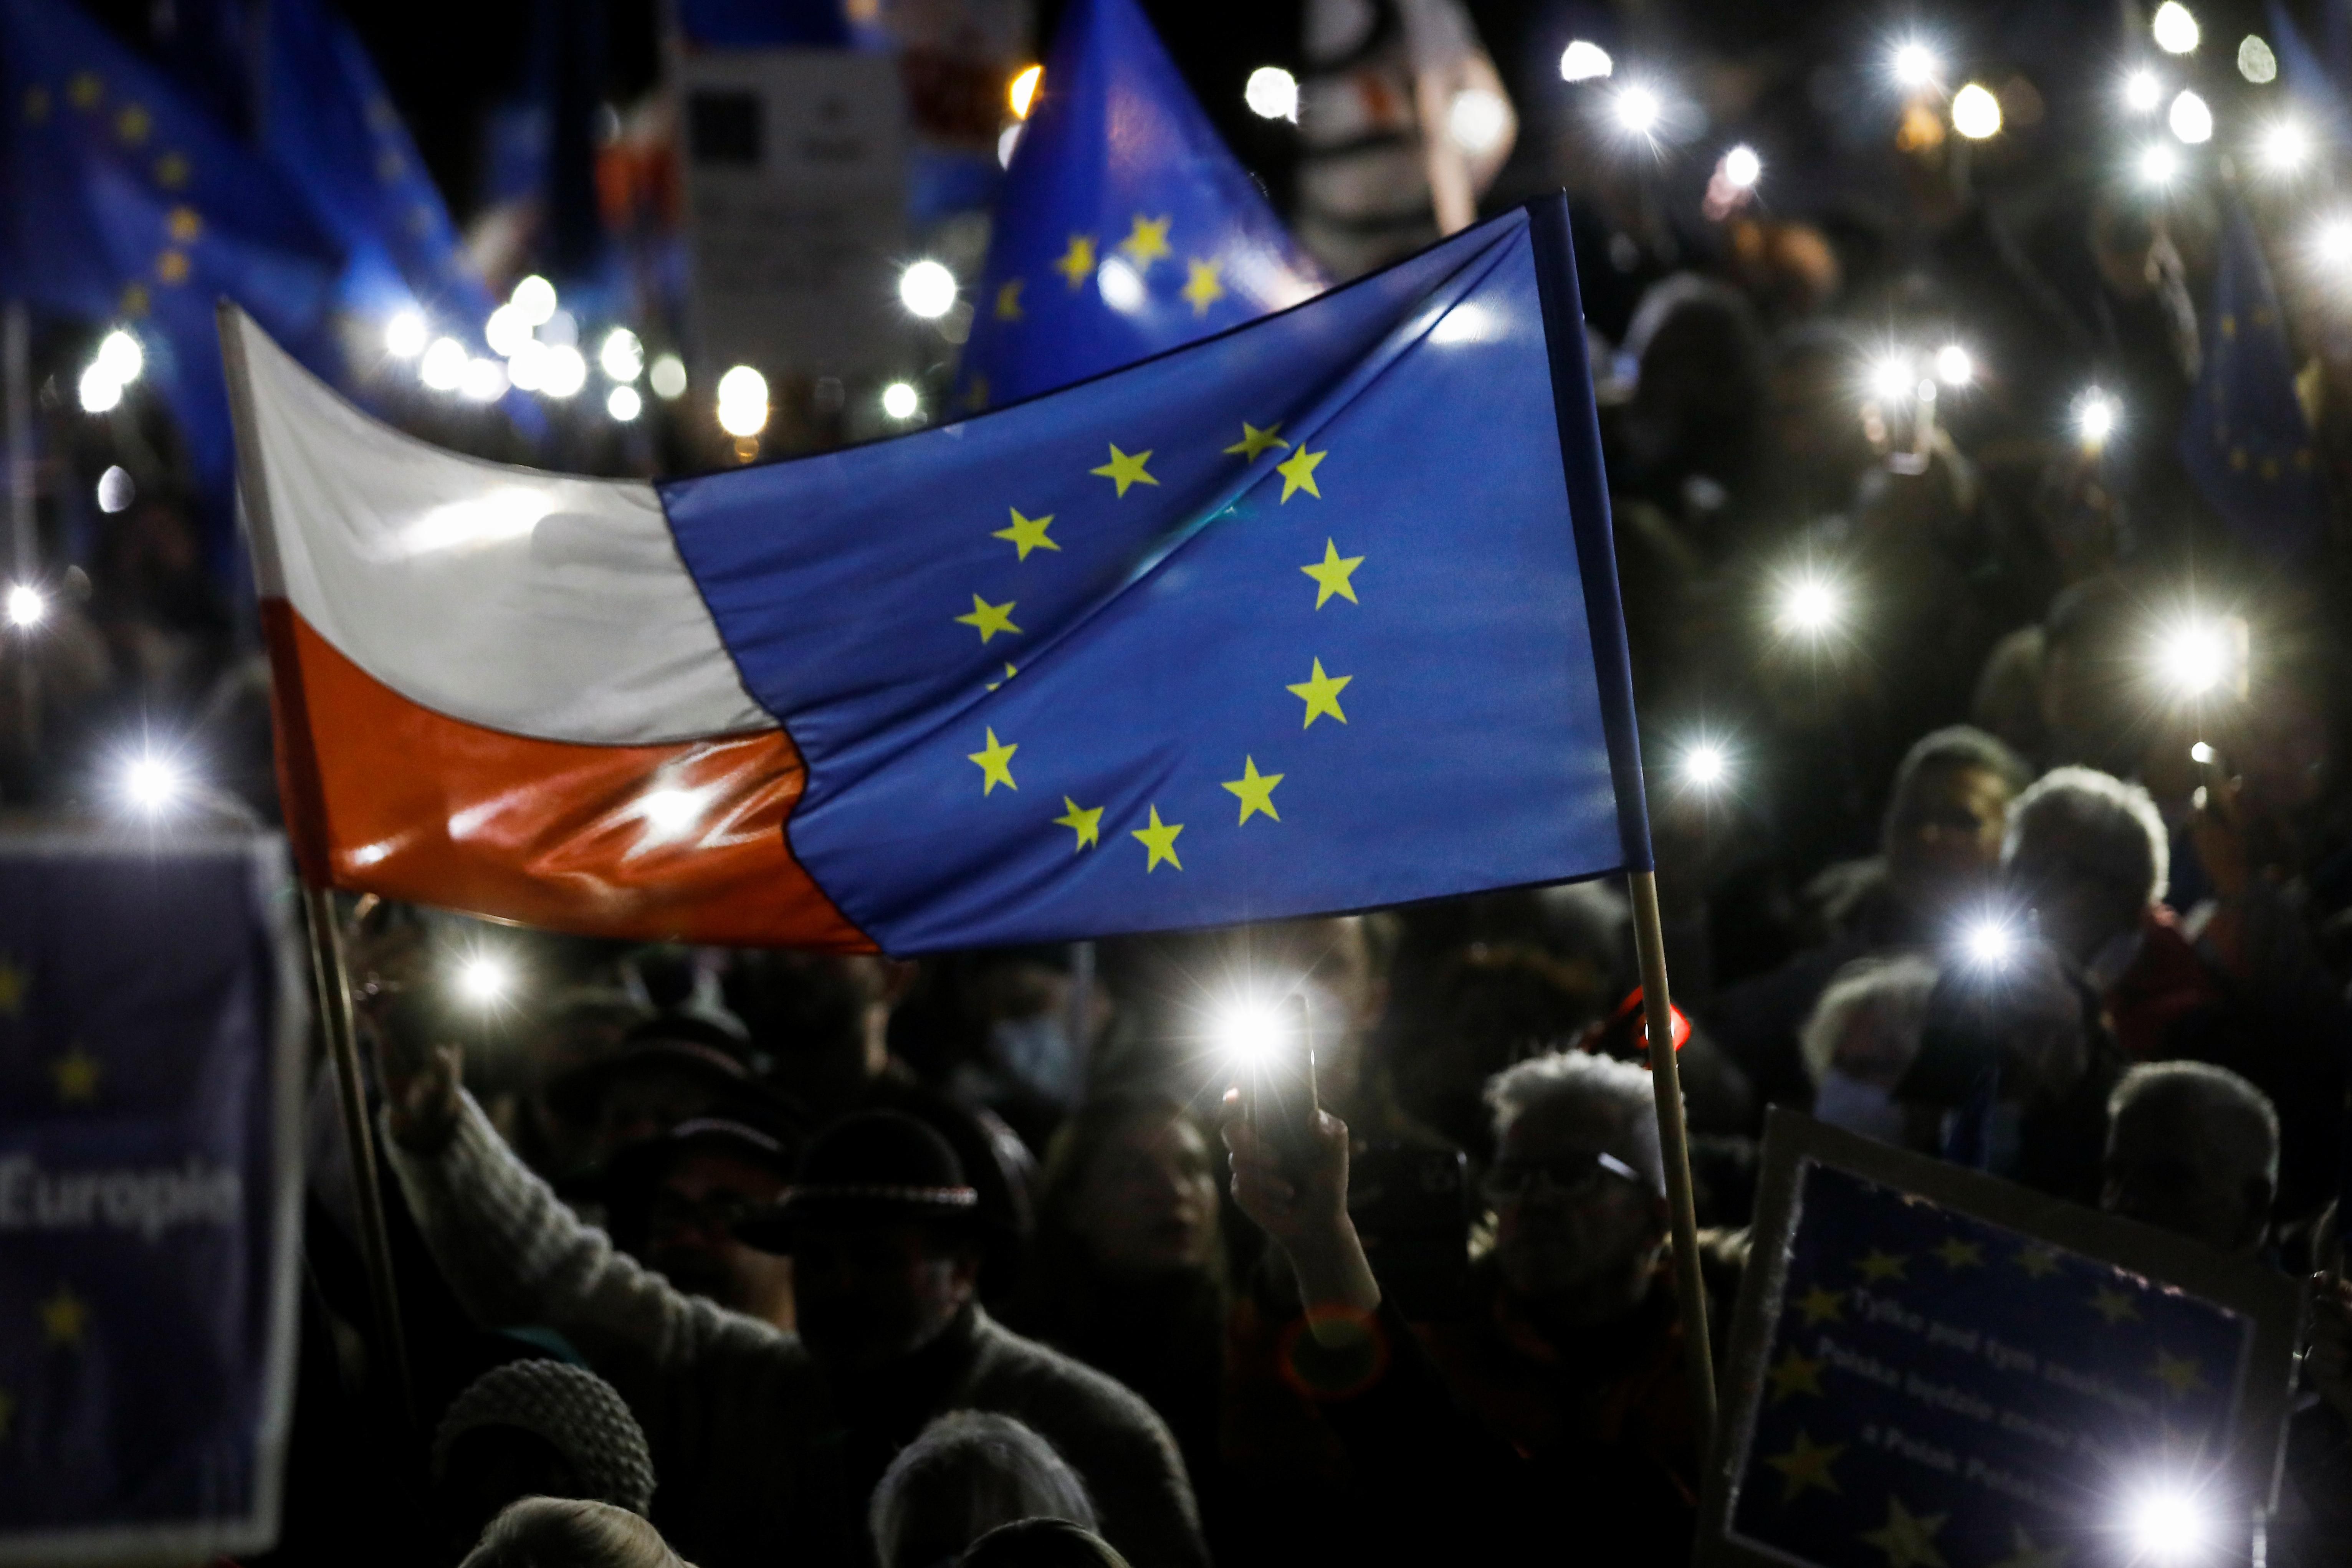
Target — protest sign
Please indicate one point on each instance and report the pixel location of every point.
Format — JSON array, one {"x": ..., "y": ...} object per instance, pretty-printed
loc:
[
  {"x": 1931, "y": 1368},
  {"x": 152, "y": 1022}
]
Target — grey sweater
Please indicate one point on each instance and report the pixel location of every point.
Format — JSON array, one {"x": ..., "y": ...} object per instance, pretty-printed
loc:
[{"x": 747, "y": 1446}]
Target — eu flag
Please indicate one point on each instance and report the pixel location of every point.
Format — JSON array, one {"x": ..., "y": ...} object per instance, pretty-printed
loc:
[
  {"x": 1318, "y": 614},
  {"x": 327, "y": 119},
  {"x": 2247, "y": 443},
  {"x": 150, "y": 1045},
  {"x": 125, "y": 202},
  {"x": 1123, "y": 227},
  {"x": 2302, "y": 74}
]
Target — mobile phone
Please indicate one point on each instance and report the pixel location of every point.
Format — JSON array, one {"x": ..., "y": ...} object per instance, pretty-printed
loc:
[{"x": 1278, "y": 1086}]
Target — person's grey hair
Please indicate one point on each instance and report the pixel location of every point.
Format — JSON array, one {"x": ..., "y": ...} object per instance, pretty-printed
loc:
[
  {"x": 578, "y": 1413},
  {"x": 2236, "y": 1119},
  {"x": 2111, "y": 829},
  {"x": 545, "y": 1531},
  {"x": 1888, "y": 996},
  {"x": 1621, "y": 1089},
  {"x": 968, "y": 1472}
]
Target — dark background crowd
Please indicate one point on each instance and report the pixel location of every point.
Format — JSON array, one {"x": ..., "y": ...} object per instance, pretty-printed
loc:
[{"x": 1997, "y": 777}]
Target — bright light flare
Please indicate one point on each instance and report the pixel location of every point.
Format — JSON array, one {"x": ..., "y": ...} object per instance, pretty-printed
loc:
[
  {"x": 2331, "y": 242},
  {"x": 2191, "y": 119},
  {"x": 2143, "y": 92},
  {"x": 668, "y": 377},
  {"x": 1705, "y": 766},
  {"x": 2096, "y": 414},
  {"x": 2176, "y": 30},
  {"x": 928, "y": 290},
  {"x": 485, "y": 979},
  {"x": 2256, "y": 63},
  {"x": 1990, "y": 943},
  {"x": 2201, "y": 754},
  {"x": 1916, "y": 67},
  {"x": 900, "y": 401},
  {"x": 2167, "y": 1525},
  {"x": 1584, "y": 61},
  {"x": 742, "y": 402},
  {"x": 26, "y": 606},
  {"x": 621, "y": 356},
  {"x": 1021, "y": 94},
  {"x": 624, "y": 403},
  {"x": 534, "y": 300},
  {"x": 482, "y": 381},
  {"x": 2283, "y": 147},
  {"x": 1272, "y": 93},
  {"x": 1251, "y": 1033},
  {"x": 563, "y": 372},
  {"x": 1975, "y": 112},
  {"x": 1742, "y": 168},
  {"x": 98, "y": 391},
  {"x": 405, "y": 335},
  {"x": 152, "y": 783},
  {"x": 444, "y": 365},
  {"x": 1891, "y": 378},
  {"x": 116, "y": 489},
  {"x": 1637, "y": 110},
  {"x": 2158, "y": 166},
  {"x": 121, "y": 357},
  {"x": 506, "y": 330},
  {"x": 2194, "y": 657},
  {"x": 1810, "y": 605},
  {"x": 1954, "y": 365},
  {"x": 1478, "y": 119}
]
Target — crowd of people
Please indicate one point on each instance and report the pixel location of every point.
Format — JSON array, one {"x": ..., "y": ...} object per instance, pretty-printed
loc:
[{"x": 2001, "y": 815}]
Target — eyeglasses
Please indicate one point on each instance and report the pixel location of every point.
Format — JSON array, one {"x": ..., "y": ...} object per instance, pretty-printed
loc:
[
  {"x": 1572, "y": 1175},
  {"x": 669, "y": 1213}
]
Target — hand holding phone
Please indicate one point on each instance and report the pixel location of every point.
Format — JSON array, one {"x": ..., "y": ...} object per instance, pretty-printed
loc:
[{"x": 1278, "y": 1083}]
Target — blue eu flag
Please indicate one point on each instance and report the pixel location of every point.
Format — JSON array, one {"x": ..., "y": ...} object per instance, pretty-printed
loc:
[
  {"x": 2305, "y": 79},
  {"x": 2246, "y": 443},
  {"x": 332, "y": 127},
  {"x": 1124, "y": 228},
  {"x": 1317, "y": 614},
  {"x": 125, "y": 202}
]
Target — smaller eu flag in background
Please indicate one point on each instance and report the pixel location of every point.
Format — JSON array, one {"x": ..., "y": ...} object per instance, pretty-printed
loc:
[
  {"x": 1125, "y": 227},
  {"x": 2304, "y": 78},
  {"x": 2247, "y": 443},
  {"x": 151, "y": 1023},
  {"x": 123, "y": 201}
]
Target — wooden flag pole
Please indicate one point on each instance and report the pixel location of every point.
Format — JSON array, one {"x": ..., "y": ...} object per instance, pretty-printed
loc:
[
  {"x": 333, "y": 976},
  {"x": 1674, "y": 1147}
]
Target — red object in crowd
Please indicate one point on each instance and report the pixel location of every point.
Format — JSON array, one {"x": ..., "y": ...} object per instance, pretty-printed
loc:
[{"x": 1629, "y": 1017}]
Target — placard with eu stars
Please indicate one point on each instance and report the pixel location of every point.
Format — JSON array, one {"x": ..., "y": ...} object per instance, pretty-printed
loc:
[
  {"x": 151, "y": 1020},
  {"x": 1932, "y": 1368}
]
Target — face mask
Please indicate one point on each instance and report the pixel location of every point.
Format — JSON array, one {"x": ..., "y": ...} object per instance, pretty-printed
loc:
[
  {"x": 1858, "y": 1107},
  {"x": 1037, "y": 1052}
]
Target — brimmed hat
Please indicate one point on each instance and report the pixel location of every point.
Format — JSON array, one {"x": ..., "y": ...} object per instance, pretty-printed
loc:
[
  {"x": 695, "y": 1044},
  {"x": 751, "y": 1128},
  {"x": 873, "y": 1168}
]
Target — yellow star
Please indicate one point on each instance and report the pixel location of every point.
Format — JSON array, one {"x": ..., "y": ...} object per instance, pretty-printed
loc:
[
  {"x": 995, "y": 764},
  {"x": 1958, "y": 1254},
  {"x": 1028, "y": 533},
  {"x": 1008, "y": 299},
  {"x": 1087, "y": 823},
  {"x": 1255, "y": 790},
  {"x": 1794, "y": 1373},
  {"x": 76, "y": 1074},
  {"x": 1077, "y": 263},
  {"x": 1202, "y": 288},
  {"x": 2039, "y": 1262},
  {"x": 988, "y": 619},
  {"x": 1009, "y": 673},
  {"x": 1821, "y": 1306},
  {"x": 185, "y": 225},
  {"x": 1331, "y": 575},
  {"x": 172, "y": 171},
  {"x": 2113, "y": 1305},
  {"x": 1906, "y": 1538},
  {"x": 1255, "y": 440},
  {"x": 1322, "y": 694},
  {"x": 36, "y": 104},
  {"x": 64, "y": 1317},
  {"x": 1147, "y": 242},
  {"x": 1297, "y": 472},
  {"x": 85, "y": 89},
  {"x": 1807, "y": 1463},
  {"x": 2178, "y": 1374},
  {"x": 134, "y": 299},
  {"x": 1881, "y": 1265},
  {"x": 1160, "y": 840},
  {"x": 975, "y": 396},
  {"x": 1125, "y": 468},
  {"x": 14, "y": 984},
  {"x": 2029, "y": 1555},
  {"x": 172, "y": 266},
  {"x": 134, "y": 123}
]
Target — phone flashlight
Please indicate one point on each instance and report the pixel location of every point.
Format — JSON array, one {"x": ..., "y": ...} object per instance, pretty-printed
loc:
[{"x": 1272, "y": 1047}]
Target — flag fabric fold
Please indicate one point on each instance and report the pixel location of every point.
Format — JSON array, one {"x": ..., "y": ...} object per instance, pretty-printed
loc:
[
  {"x": 1317, "y": 615},
  {"x": 2246, "y": 441},
  {"x": 1124, "y": 228}
]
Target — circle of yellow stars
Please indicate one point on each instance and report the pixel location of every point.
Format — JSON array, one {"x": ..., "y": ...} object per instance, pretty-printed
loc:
[
  {"x": 1333, "y": 576},
  {"x": 130, "y": 126}
]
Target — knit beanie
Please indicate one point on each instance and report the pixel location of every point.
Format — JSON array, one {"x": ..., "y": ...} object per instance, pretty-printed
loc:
[{"x": 578, "y": 1413}]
